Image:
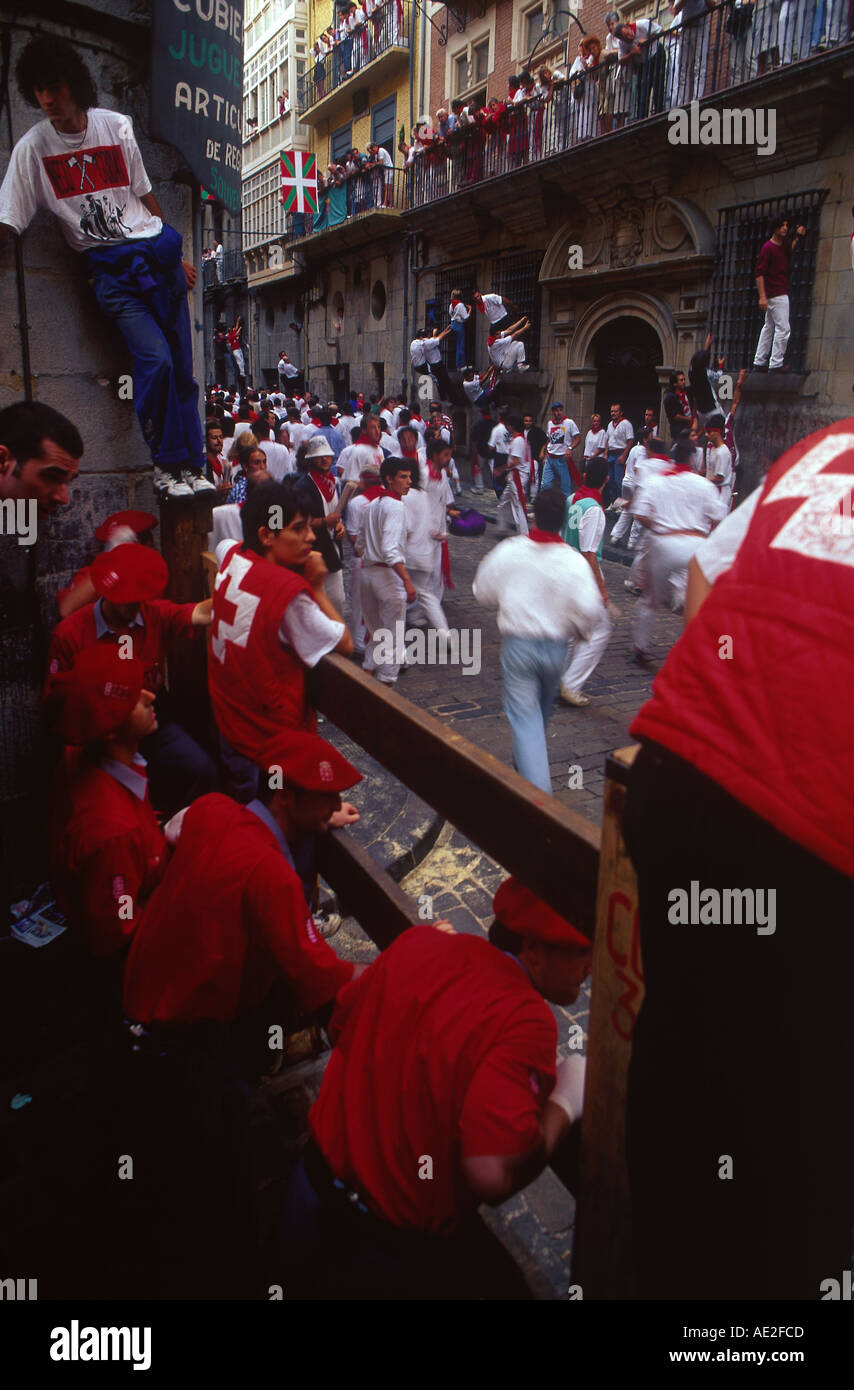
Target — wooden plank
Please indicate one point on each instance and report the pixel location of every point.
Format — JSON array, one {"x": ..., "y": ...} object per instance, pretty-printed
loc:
[
  {"x": 602, "y": 1255},
  {"x": 552, "y": 849},
  {"x": 364, "y": 889}
]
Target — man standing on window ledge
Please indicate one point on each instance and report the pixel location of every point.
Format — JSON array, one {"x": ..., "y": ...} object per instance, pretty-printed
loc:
[
  {"x": 772, "y": 284},
  {"x": 84, "y": 165}
]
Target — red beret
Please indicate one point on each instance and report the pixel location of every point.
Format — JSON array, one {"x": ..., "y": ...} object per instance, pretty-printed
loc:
[
  {"x": 308, "y": 761},
  {"x": 129, "y": 574},
  {"x": 523, "y": 912},
  {"x": 96, "y": 695},
  {"x": 137, "y": 521}
]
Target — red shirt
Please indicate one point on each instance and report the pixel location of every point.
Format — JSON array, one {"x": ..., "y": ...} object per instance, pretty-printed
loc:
[
  {"x": 228, "y": 919},
  {"x": 773, "y": 264},
  {"x": 162, "y": 620},
  {"x": 772, "y": 725},
  {"x": 104, "y": 843},
  {"x": 444, "y": 1048},
  {"x": 256, "y": 685}
]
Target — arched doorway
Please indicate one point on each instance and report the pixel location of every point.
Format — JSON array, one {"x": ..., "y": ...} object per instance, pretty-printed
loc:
[{"x": 626, "y": 352}]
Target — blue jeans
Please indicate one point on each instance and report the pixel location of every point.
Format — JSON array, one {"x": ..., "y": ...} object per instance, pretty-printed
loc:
[
  {"x": 531, "y": 668},
  {"x": 165, "y": 393},
  {"x": 179, "y": 770},
  {"x": 458, "y": 332},
  {"x": 556, "y": 470},
  {"x": 615, "y": 475}
]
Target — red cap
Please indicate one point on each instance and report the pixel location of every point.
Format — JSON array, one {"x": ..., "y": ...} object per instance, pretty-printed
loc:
[
  {"x": 96, "y": 695},
  {"x": 523, "y": 912},
  {"x": 129, "y": 574},
  {"x": 137, "y": 521},
  {"x": 308, "y": 761}
]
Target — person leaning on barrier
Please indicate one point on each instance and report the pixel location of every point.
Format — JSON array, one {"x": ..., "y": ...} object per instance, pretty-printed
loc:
[{"x": 443, "y": 1091}]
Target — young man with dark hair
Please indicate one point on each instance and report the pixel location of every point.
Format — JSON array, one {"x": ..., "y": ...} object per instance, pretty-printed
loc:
[
  {"x": 584, "y": 529},
  {"x": 84, "y": 165},
  {"x": 40, "y": 452},
  {"x": 677, "y": 405},
  {"x": 272, "y": 621},
  {"x": 545, "y": 595},
  {"x": 386, "y": 585},
  {"x": 772, "y": 285},
  {"x": 445, "y": 1047}
]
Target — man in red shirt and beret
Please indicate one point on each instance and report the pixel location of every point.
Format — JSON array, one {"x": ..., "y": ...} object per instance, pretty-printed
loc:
[
  {"x": 225, "y": 931},
  {"x": 130, "y": 615},
  {"x": 442, "y": 1091},
  {"x": 107, "y": 852},
  {"x": 120, "y": 528}
]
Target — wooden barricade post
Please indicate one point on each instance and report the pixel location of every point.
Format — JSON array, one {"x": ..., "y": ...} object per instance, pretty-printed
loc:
[{"x": 602, "y": 1255}]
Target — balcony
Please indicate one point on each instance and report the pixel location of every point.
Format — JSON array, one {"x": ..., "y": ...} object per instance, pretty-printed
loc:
[
  {"x": 800, "y": 66},
  {"x": 229, "y": 271},
  {"x": 363, "y": 207},
  {"x": 372, "y": 51}
]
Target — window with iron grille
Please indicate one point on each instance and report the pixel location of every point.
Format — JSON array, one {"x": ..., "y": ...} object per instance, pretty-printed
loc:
[
  {"x": 516, "y": 278},
  {"x": 464, "y": 279},
  {"x": 743, "y": 229}
]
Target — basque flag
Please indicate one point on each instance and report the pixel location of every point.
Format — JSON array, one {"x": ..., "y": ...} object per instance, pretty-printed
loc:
[{"x": 299, "y": 181}]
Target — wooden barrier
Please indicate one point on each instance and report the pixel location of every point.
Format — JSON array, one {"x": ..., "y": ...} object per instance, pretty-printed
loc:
[{"x": 602, "y": 1253}]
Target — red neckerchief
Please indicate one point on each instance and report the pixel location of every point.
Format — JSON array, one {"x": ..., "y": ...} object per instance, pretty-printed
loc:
[
  {"x": 676, "y": 468},
  {"x": 686, "y": 404},
  {"x": 446, "y": 566},
  {"x": 434, "y": 473},
  {"x": 387, "y": 492},
  {"x": 583, "y": 491},
  {"x": 545, "y": 537},
  {"x": 375, "y": 490},
  {"x": 325, "y": 483}
]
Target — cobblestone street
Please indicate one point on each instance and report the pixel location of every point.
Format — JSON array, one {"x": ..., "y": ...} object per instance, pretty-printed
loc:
[{"x": 459, "y": 880}]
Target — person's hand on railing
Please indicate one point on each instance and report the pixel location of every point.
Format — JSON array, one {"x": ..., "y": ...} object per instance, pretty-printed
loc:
[{"x": 347, "y": 815}]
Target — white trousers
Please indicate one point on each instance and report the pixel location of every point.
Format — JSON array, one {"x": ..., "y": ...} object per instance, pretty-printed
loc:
[
  {"x": 587, "y": 654},
  {"x": 775, "y": 330},
  {"x": 383, "y": 606},
  {"x": 429, "y": 586},
  {"x": 511, "y": 508},
  {"x": 640, "y": 565},
  {"x": 357, "y": 626},
  {"x": 669, "y": 557},
  {"x": 514, "y": 355},
  {"x": 333, "y": 587}
]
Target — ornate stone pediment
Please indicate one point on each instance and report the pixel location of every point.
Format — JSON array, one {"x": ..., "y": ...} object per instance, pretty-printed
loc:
[{"x": 626, "y": 233}]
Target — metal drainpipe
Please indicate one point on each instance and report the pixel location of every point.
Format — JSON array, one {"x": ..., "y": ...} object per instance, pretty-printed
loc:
[{"x": 22, "y": 324}]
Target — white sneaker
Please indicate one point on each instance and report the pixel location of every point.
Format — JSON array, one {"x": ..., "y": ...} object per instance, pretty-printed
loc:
[
  {"x": 523, "y": 367},
  {"x": 160, "y": 480},
  {"x": 177, "y": 488},
  {"x": 632, "y": 587},
  {"x": 196, "y": 482},
  {"x": 573, "y": 697}
]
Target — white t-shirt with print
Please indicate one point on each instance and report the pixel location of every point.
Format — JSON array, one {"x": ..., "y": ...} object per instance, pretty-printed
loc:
[{"x": 93, "y": 182}]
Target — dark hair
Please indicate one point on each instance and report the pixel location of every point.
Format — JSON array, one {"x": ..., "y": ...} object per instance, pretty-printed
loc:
[
  {"x": 597, "y": 472},
  {"x": 777, "y": 221},
  {"x": 716, "y": 421},
  {"x": 325, "y": 416},
  {"x": 514, "y": 422},
  {"x": 682, "y": 451},
  {"x": 674, "y": 377},
  {"x": 256, "y": 509},
  {"x": 392, "y": 465},
  {"x": 549, "y": 509},
  {"x": 656, "y": 445},
  {"x": 25, "y": 426},
  {"x": 404, "y": 418},
  {"x": 435, "y": 445},
  {"x": 48, "y": 60},
  {"x": 261, "y": 428},
  {"x": 363, "y": 422}
]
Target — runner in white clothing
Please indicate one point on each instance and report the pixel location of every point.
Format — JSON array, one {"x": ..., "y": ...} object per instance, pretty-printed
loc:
[
  {"x": 519, "y": 470},
  {"x": 719, "y": 469},
  {"x": 679, "y": 508},
  {"x": 386, "y": 585},
  {"x": 584, "y": 529}
]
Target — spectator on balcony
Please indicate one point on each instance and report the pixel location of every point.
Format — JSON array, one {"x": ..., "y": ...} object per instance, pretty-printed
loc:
[
  {"x": 693, "y": 47},
  {"x": 380, "y": 162},
  {"x": 319, "y": 50},
  {"x": 584, "y": 87},
  {"x": 616, "y": 83},
  {"x": 828, "y": 26},
  {"x": 363, "y": 49},
  {"x": 284, "y": 103},
  {"x": 519, "y": 89},
  {"x": 252, "y": 124},
  {"x": 639, "y": 47},
  {"x": 742, "y": 44},
  {"x": 494, "y": 132},
  {"x": 458, "y": 312}
]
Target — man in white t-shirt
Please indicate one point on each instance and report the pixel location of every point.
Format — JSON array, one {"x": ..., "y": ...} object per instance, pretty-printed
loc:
[
  {"x": 621, "y": 437},
  {"x": 280, "y": 461},
  {"x": 386, "y": 585},
  {"x": 499, "y": 312},
  {"x": 425, "y": 354},
  {"x": 519, "y": 473},
  {"x": 561, "y": 434},
  {"x": 286, "y": 369},
  {"x": 458, "y": 313},
  {"x": 719, "y": 469},
  {"x": 83, "y": 164},
  {"x": 625, "y": 521},
  {"x": 497, "y": 447},
  {"x": 679, "y": 507},
  {"x": 506, "y": 350},
  {"x": 546, "y": 596},
  {"x": 584, "y": 530}
]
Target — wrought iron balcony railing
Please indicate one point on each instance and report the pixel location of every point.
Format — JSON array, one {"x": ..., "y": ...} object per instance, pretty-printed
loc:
[
  {"x": 729, "y": 46},
  {"x": 388, "y": 27},
  {"x": 231, "y": 268},
  {"x": 374, "y": 190}
]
